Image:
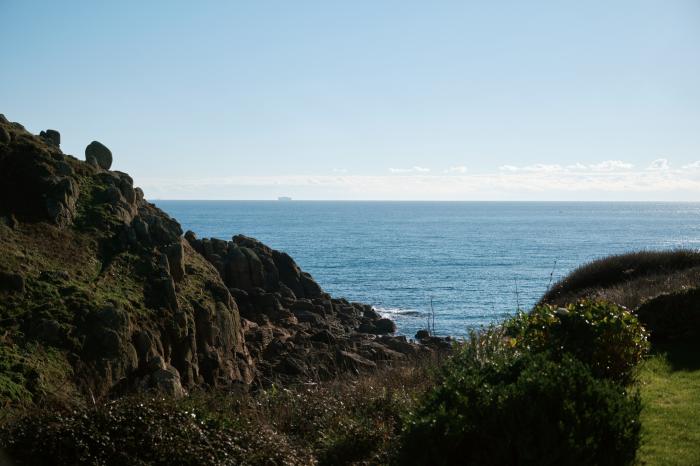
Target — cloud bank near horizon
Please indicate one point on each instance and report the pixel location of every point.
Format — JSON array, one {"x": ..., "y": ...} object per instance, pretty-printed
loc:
[{"x": 606, "y": 180}]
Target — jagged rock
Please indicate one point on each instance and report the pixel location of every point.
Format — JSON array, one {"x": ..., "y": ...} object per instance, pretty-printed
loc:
[
  {"x": 34, "y": 181},
  {"x": 51, "y": 136},
  {"x": 168, "y": 381},
  {"x": 98, "y": 154},
  {"x": 371, "y": 314},
  {"x": 354, "y": 361},
  {"x": 162, "y": 292},
  {"x": 4, "y": 136},
  {"x": 176, "y": 260},
  {"x": 402, "y": 345},
  {"x": 437, "y": 343},
  {"x": 61, "y": 200},
  {"x": 421, "y": 334},
  {"x": 383, "y": 326},
  {"x": 163, "y": 378}
]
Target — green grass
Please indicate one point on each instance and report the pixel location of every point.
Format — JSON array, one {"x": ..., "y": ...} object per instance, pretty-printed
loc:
[{"x": 670, "y": 388}]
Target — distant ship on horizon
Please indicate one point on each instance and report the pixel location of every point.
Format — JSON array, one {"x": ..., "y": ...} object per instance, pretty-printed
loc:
[{"x": 284, "y": 198}]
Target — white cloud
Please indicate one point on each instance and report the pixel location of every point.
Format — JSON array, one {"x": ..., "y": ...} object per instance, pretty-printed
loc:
[
  {"x": 658, "y": 164},
  {"x": 534, "y": 182},
  {"x": 541, "y": 167},
  {"x": 457, "y": 169},
  {"x": 610, "y": 165},
  {"x": 692, "y": 166},
  {"x": 415, "y": 169},
  {"x": 604, "y": 166},
  {"x": 538, "y": 167}
]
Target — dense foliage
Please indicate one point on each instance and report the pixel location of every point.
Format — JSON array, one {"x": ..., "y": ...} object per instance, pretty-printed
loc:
[
  {"x": 504, "y": 407},
  {"x": 349, "y": 421},
  {"x": 149, "y": 431},
  {"x": 605, "y": 336}
]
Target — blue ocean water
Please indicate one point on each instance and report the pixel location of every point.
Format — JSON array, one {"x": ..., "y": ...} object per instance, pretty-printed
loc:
[{"x": 475, "y": 261}]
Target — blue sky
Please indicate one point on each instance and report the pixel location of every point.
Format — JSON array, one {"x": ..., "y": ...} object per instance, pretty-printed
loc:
[{"x": 374, "y": 99}]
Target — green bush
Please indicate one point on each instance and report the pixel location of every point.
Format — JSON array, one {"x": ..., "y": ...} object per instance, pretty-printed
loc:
[
  {"x": 352, "y": 420},
  {"x": 147, "y": 431},
  {"x": 605, "y": 336},
  {"x": 522, "y": 409}
]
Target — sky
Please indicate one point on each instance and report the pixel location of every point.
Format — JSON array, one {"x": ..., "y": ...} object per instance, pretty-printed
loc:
[{"x": 356, "y": 100}]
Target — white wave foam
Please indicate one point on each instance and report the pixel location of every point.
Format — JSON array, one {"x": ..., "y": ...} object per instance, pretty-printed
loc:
[{"x": 397, "y": 311}]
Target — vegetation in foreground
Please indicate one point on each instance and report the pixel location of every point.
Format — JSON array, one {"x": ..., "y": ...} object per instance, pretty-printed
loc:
[
  {"x": 670, "y": 389},
  {"x": 527, "y": 408},
  {"x": 502, "y": 397},
  {"x": 348, "y": 421},
  {"x": 558, "y": 385}
]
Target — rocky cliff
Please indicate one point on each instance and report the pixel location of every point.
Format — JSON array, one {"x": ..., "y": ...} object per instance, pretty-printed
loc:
[
  {"x": 100, "y": 294},
  {"x": 293, "y": 329}
]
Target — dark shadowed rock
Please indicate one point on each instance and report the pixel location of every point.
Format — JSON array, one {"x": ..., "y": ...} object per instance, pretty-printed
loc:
[
  {"x": 97, "y": 153},
  {"x": 420, "y": 334},
  {"x": 51, "y": 136},
  {"x": 384, "y": 326},
  {"x": 176, "y": 260},
  {"x": 354, "y": 361},
  {"x": 4, "y": 136}
]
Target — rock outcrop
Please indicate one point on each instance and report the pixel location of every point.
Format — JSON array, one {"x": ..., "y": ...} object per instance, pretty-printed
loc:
[
  {"x": 100, "y": 293},
  {"x": 294, "y": 330},
  {"x": 103, "y": 282},
  {"x": 97, "y": 153},
  {"x": 51, "y": 136}
]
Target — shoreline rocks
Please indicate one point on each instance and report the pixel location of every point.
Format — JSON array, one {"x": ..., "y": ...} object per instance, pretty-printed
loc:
[{"x": 293, "y": 329}]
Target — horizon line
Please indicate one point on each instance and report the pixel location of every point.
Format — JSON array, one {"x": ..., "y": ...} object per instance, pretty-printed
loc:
[{"x": 549, "y": 201}]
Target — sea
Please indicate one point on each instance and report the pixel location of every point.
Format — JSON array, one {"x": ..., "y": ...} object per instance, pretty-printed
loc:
[{"x": 463, "y": 265}]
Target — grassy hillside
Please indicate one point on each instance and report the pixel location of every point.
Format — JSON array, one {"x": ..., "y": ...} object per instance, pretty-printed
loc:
[{"x": 629, "y": 279}]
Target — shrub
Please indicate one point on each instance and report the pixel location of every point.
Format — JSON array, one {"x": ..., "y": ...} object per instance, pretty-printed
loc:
[
  {"x": 522, "y": 409},
  {"x": 350, "y": 420},
  {"x": 672, "y": 317},
  {"x": 148, "y": 431},
  {"x": 605, "y": 336}
]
